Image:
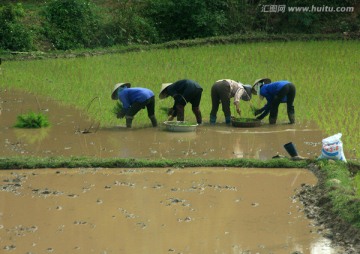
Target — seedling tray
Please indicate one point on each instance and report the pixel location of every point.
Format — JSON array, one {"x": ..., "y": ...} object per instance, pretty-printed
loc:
[{"x": 245, "y": 122}]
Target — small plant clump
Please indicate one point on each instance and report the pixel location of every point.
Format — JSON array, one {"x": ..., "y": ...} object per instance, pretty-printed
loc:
[
  {"x": 253, "y": 109},
  {"x": 32, "y": 120},
  {"x": 244, "y": 120},
  {"x": 180, "y": 123},
  {"x": 117, "y": 109}
]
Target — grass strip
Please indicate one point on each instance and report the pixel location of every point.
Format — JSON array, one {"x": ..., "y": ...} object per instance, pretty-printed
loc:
[
  {"x": 340, "y": 187},
  {"x": 88, "y": 162},
  {"x": 230, "y": 39}
]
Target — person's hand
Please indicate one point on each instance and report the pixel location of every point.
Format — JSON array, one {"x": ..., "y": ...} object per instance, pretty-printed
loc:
[
  {"x": 170, "y": 111},
  {"x": 238, "y": 110},
  {"x": 257, "y": 112},
  {"x": 120, "y": 115}
]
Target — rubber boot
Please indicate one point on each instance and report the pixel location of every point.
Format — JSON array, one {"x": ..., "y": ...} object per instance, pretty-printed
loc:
[
  {"x": 153, "y": 120},
  {"x": 180, "y": 112},
  {"x": 227, "y": 119},
  {"x": 291, "y": 149},
  {"x": 129, "y": 121},
  {"x": 197, "y": 113},
  {"x": 212, "y": 119},
  {"x": 272, "y": 120},
  {"x": 291, "y": 118}
]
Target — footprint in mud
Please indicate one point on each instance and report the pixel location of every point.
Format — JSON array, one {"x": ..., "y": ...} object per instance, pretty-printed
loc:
[
  {"x": 141, "y": 224},
  {"x": 117, "y": 183},
  {"x": 186, "y": 219},
  {"x": 13, "y": 184},
  {"x": 157, "y": 186},
  {"x": 9, "y": 247},
  {"x": 46, "y": 192}
]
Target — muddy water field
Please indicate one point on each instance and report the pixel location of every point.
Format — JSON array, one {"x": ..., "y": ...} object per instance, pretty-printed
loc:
[
  {"x": 66, "y": 136},
  {"x": 159, "y": 210}
]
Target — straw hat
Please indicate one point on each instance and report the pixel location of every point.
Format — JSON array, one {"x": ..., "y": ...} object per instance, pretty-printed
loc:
[
  {"x": 114, "y": 92},
  {"x": 258, "y": 83},
  {"x": 248, "y": 90},
  {"x": 162, "y": 95}
]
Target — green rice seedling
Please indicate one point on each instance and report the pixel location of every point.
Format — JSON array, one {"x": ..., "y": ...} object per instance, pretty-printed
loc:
[
  {"x": 31, "y": 120},
  {"x": 357, "y": 184},
  {"x": 253, "y": 109},
  {"x": 116, "y": 110},
  {"x": 324, "y": 73}
]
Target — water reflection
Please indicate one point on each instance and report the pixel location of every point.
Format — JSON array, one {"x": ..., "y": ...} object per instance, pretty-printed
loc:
[{"x": 323, "y": 246}]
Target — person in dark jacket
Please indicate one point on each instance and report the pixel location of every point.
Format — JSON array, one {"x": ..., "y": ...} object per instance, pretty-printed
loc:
[
  {"x": 282, "y": 91},
  {"x": 183, "y": 91},
  {"x": 133, "y": 100},
  {"x": 222, "y": 91}
]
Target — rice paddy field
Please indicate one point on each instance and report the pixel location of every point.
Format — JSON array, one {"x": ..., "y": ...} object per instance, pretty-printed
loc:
[{"x": 325, "y": 73}]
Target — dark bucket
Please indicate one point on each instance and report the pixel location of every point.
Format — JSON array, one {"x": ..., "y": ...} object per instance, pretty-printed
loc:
[{"x": 291, "y": 149}]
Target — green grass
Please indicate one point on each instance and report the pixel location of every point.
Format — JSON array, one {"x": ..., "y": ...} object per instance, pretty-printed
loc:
[
  {"x": 32, "y": 120},
  {"x": 324, "y": 73},
  {"x": 341, "y": 189},
  {"x": 244, "y": 120},
  {"x": 25, "y": 162},
  {"x": 357, "y": 184}
]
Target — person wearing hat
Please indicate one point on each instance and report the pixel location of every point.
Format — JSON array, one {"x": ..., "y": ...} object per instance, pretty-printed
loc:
[
  {"x": 277, "y": 92},
  {"x": 183, "y": 91},
  {"x": 133, "y": 100},
  {"x": 224, "y": 89}
]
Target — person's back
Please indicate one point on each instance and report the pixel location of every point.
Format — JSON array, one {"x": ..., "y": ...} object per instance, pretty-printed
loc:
[{"x": 136, "y": 94}]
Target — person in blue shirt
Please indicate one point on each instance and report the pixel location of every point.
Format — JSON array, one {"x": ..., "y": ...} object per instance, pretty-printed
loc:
[
  {"x": 133, "y": 100},
  {"x": 277, "y": 92},
  {"x": 183, "y": 91}
]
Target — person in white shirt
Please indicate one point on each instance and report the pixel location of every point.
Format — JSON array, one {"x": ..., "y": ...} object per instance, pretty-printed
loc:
[{"x": 222, "y": 91}]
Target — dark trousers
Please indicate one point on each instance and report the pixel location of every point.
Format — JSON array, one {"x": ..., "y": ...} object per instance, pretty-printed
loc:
[
  {"x": 137, "y": 106},
  {"x": 220, "y": 91},
  {"x": 288, "y": 90}
]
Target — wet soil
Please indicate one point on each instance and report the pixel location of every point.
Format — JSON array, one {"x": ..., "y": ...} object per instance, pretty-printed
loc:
[
  {"x": 317, "y": 207},
  {"x": 66, "y": 136},
  {"x": 168, "y": 210}
]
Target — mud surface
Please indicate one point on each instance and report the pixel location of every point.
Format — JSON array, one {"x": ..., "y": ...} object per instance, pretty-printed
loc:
[
  {"x": 318, "y": 208},
  {"x": 197, "y": 210},
  {"x": 65, "y": 136}
]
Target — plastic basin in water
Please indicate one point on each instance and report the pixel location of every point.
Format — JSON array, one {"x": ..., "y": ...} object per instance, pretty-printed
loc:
[{"x": 179, "y": 126}]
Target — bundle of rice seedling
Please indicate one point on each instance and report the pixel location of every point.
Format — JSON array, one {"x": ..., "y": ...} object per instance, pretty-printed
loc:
[
  {"x": 117, "y": 109},
  {"x": 32, "y": 120}
]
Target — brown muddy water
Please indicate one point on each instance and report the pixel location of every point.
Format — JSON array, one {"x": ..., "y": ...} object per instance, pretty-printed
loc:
[
  {"x": 65, "y": 136},
  {"x": 188, "y": 210},
  {"x": 167, "y": 210}
]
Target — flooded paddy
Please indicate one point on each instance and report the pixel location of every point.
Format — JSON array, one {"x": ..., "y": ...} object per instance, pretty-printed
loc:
[
  {"x": 167, "y": 210},
  {"x": 65, "y": 136}
]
